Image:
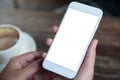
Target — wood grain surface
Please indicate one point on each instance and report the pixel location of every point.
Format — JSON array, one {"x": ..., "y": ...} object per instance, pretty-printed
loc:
[{"x": 39, "y": 25}]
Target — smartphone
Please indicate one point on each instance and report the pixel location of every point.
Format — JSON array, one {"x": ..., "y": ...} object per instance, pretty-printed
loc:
[{"x": 68, "y": 49}]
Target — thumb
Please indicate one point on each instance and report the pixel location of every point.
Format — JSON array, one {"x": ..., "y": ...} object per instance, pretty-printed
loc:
[{"x": 87, "y": 68}]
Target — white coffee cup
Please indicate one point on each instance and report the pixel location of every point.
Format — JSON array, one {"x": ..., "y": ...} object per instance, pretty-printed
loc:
[{"x": 24, "y": 44}]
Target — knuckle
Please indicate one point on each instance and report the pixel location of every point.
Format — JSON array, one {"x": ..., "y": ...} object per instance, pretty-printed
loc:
[{"x": 13, "y": 59}]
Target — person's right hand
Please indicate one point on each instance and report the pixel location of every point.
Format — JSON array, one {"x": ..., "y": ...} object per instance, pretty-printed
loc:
[{"x": 87, "y": 69}]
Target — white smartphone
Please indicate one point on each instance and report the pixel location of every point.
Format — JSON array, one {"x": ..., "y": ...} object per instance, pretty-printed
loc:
[{"x": 68, "y": 49}]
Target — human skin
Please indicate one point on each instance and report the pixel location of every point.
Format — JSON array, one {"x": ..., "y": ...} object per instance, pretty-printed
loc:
[
  {"x": 86, "y": 71},
  {"x": 26, "y": 66}
]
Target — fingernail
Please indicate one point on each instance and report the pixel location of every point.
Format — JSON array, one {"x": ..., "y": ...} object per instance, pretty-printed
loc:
[
  {"x": 44, "y": 54},
  {"x": 96, "y": 42}
]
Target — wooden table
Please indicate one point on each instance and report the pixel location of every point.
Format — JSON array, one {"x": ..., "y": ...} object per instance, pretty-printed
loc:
[{"x": 39, "y": 24}]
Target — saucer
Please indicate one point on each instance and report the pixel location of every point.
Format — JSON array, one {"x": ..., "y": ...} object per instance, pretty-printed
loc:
[{"x": 29, "y": 45}]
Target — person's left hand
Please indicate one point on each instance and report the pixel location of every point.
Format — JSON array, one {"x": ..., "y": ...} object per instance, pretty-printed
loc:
[{"x": 23, "y": 67}]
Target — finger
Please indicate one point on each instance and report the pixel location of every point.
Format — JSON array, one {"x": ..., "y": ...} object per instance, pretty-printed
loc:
[
  {"x": 87, "y": 68},
  {"x": 28, "y": 57},
  {"x": 22, "y": 61},
  {"x": 31, "y": 69},
  {"x": 91, "y": 54},
  {"x": 36, "y": 77},
  {"x": 49, "y": 41},
  {"x": 54, "y": 29},
  {"x": 44, "y": 54}
]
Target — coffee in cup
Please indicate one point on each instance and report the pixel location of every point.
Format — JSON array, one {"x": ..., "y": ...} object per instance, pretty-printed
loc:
[
  {"x": 8, "y": 37},
  {"x": 13, "y": 42}
]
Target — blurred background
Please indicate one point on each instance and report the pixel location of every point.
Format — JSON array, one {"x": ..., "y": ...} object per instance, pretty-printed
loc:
[
  {"x": 110, "y": 7},
  {"x": 35, "y": 13}
]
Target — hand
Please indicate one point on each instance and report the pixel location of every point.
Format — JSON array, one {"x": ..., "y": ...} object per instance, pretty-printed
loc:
[
  {"x": 86, "y": 71},
  {"x": 23, "y": 67}
]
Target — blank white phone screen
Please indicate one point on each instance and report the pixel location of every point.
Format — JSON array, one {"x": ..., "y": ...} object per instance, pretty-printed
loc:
[{"x": 71, "y": 41}]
